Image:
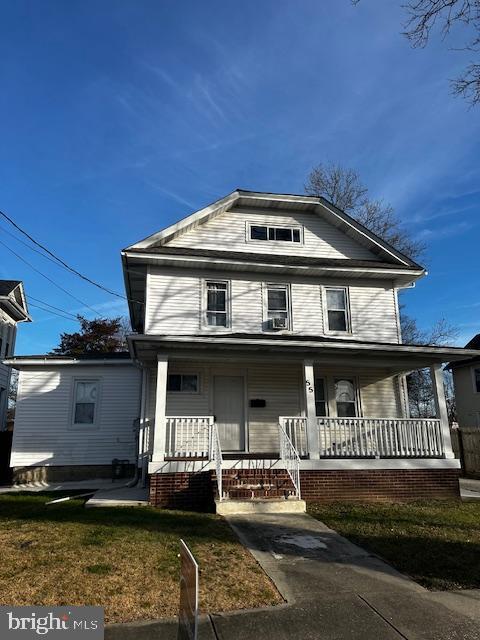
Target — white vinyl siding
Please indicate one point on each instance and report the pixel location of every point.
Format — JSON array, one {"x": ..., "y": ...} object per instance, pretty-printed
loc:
[
  {"x": 468, "y": 400},
  {"x": 43, "y": 433},
  {"x": 174, "y": 304},
  {"x": 230, "y": 229}
]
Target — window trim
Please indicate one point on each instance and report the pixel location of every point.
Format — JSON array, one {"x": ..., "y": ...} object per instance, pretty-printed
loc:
[
  {"x": 96, "y": 412},
  {"x": 266, "y": 319},
  {"x": 185, "y": 373},
  {"x": 228, "y": 305},
  {"x": 278, "y": 243},
  {"x": 348, "y": 318},
  {"x": 356, "y": 391},
  {"x": 474, "y": 381}
]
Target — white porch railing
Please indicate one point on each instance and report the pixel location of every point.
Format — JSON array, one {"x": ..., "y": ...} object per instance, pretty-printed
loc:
[
  {"x": 215, "y": 455},
  {"x": 296, "y": 429},
  {"x": 289, "y": 458},
  {"x": 380, "y": 438},
  {"x": 188, "y": 437}
]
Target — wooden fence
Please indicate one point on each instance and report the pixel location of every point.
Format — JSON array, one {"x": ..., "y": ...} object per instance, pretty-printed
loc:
[{"x": 466, "y": 445}]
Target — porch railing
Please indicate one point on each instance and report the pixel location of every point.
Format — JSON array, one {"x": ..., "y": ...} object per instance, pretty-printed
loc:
[
  {"x": 380, "y": 438},
  {"x": 188, "y": 436},
  {"x": 289, "y": 458},
  {"x": 296, "y": 429},
  {"x": 215, "y": 456}
]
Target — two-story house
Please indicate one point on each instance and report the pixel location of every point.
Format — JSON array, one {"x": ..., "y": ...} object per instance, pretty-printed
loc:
[
  {"x": 13, "y": 309},
  {"x": 466, "y": 378},
  {"x": 267, "y": 363}
]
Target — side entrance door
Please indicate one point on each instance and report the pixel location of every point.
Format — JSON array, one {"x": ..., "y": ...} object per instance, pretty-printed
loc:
[{"x": 229, "y": 411}]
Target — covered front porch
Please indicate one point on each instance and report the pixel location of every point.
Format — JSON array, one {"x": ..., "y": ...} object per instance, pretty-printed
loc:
[{"x": 329, "y": 407}]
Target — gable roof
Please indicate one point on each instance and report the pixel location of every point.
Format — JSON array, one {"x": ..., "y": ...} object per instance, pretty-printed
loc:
[
  {"x": 13, "y": 300},
  {"x": 317, "y": 205}
]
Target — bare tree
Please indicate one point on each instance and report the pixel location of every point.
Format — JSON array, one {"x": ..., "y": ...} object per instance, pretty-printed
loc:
[
  {"x": 343, "y": 187},
  {"x": 426, "y": 15},
  {"x": 419, "y": 383}
]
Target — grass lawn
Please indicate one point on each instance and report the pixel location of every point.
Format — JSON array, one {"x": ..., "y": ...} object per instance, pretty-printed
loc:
[
  {"x": 124, "y": 559},
  {"x": 436, "y": 543}
]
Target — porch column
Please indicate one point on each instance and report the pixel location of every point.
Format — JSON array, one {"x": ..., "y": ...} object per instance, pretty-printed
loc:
[
  {"x": 310, "y": 411},
  {"x": 436, "y": 374},
  {"x": 159, "y": 435}
]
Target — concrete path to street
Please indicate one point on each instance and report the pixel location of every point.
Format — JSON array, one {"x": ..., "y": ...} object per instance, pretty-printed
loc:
[
  {"x": 333, "y": 590},
  {"x": 469, "y": 489}
]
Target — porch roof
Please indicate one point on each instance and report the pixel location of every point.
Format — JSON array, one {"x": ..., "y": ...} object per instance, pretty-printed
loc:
[{"x": 321, "y": 349}]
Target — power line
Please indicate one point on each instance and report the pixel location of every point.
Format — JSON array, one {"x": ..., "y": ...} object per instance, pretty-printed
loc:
[
  {"x": 68, "y": 313},
  {"x": 60, "y": 315},
  {"x": 84, "y": 304},
  {"x": 63, "y": 263}
]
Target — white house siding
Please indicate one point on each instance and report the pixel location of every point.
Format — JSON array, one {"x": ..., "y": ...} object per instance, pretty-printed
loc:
[
  {"x": 229, "y": 230},
  {"x": 174, "y": 304},
  {"x": 281, "y": 386},
  {"x": 468, "y": 400},
  {"x": 8, "y": 330},
  {"x": 43, "y": 433}
]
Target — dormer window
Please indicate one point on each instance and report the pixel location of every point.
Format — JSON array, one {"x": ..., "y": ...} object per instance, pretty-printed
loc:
[{"x": 278, "y": 234}]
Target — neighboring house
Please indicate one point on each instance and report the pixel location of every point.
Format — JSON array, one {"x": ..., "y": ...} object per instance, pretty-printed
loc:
[
  {"x": 466, "y": 379},
  {"x": 13, "y": 309},
  {"x": 268, "y": 341}
]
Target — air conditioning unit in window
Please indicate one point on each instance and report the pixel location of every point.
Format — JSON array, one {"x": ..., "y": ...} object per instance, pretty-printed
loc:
[{"x": 278, "y": 323}]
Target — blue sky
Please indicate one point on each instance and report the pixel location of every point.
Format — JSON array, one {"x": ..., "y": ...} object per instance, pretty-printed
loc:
[{"x": 116, "y": 118}]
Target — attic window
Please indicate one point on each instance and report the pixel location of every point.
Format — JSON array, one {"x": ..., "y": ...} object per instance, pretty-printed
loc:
[{"x": 279, "y": 234}]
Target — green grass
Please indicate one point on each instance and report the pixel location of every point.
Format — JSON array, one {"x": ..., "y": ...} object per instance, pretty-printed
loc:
[
  {"x": 124, "y": 559},
  {"x": 436, "y": 543}
]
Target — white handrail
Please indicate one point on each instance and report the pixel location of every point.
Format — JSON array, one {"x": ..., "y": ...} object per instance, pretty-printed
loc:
[
  {"x": 289, "y": 458},
  {"x": 296, "y": 429},
  {"x": 380, "y": 438},
  {"x": 215, "y": 455}
]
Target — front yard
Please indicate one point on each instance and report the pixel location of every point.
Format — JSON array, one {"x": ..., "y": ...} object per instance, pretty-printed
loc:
[
  {"x": 123, "y": 559},
  {"x": 436, "y": 543}
]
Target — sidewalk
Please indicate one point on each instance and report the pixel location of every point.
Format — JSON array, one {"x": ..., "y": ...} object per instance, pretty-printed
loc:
[{"x": 334, "y": 591}]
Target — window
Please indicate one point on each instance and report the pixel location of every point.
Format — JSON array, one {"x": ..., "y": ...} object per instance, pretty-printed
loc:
[
  {"x": 1, "y": 347},
  {"x": 7, "y": 350},
  {"x": 345, "y": 398},
  {"x": 280, "y": 234},
  {"x": 278, "y": 306},
  {"x": 320, "y": 398},
  {"x": 182, "y": 382},
  {"x": 86, "y": 398},
  {"x": 216, "y": 306},
  {"x": 476, "y": 380},
  {"x": 337, "y": 310}
]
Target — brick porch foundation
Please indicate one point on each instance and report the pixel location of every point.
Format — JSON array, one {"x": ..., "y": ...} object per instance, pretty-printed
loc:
[
  {"x": 399, "y": 485},
  {"x": 195, "y": 491},
  {"x": 187, "y": 491}
]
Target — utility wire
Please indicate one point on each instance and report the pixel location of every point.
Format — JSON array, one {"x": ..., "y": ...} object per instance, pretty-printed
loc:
[
  {"x": 60, "y": 315},
  {"x": 63, "y": 263},
  {"x": 47, "y": 278},
  {"x": 47, "y": 304}
]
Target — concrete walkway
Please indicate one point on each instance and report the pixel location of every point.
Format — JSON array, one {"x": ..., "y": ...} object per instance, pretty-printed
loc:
[{"x": 333, "y": 589}]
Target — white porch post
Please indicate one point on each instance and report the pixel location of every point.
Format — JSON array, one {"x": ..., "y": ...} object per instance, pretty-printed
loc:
[
  {"x": 159, "y": 435},
  {"x": 441, "y": 407},
  {"x": 310, "y": 411}
]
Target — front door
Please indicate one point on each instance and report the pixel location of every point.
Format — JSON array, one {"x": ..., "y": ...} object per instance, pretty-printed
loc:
[{"x": 229, "y": 411}]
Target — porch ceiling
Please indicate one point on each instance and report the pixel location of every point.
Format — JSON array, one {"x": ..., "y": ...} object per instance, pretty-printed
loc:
[{"x": 322, "y": 350}]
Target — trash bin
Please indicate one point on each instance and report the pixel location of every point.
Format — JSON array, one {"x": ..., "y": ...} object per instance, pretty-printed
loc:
[{"x": 119, "y": 469}]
